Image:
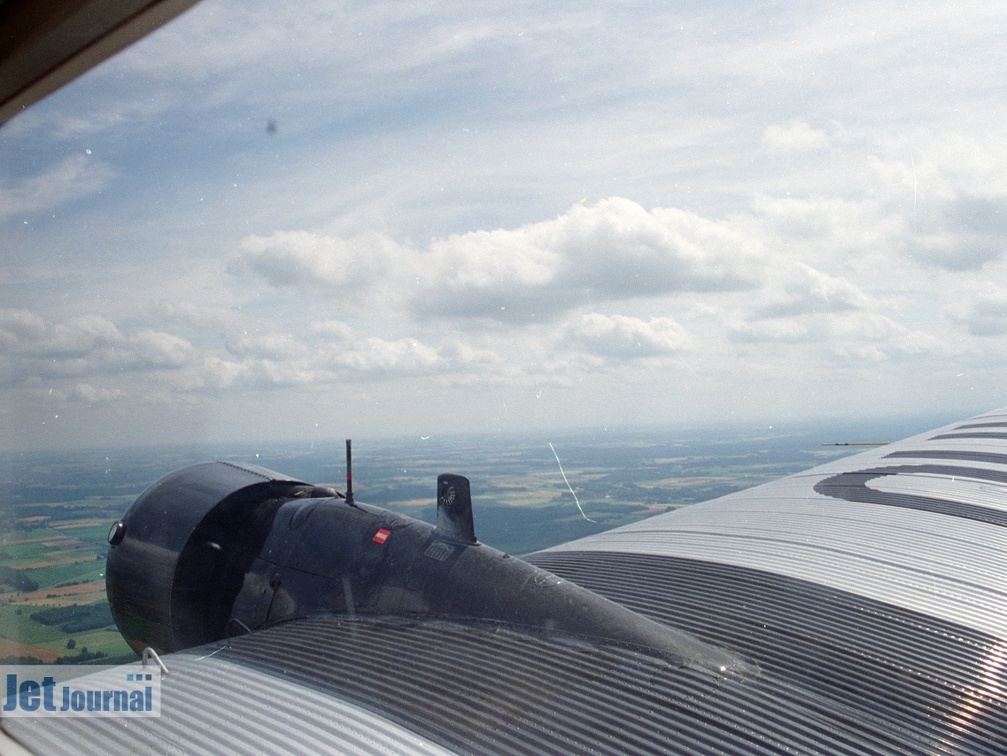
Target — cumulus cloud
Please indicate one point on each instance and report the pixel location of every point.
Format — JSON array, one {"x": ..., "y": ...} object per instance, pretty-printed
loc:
[
  {"x": 91, "y": 359},
  {"x": 211, "y": 372},
  {"x": 796, "y": 136},
  {"x": 770, "y": 330},
  {"x": 608, "y": 251},
  {"x": 399, "y": 356},
  {"x": 459, "y": 355},
  {"x": 86, "y": 345},
  {"x": 962, "y": 234},
  {"x": 269, "y": 345},
  {"x": 808, "y": 290},
  {"x": 85, "y": 392},
  {"x": 18, "y": 327},
  {"x": 625, "y": 337},
  {"x": 820, "y": 228},
  {"x": 153, "y": 349},
  {"x": 984, "y": 314},
  {"x": 77, "y": 393},
  {"x": 344, "y": 352},
  {"x": 27, "y": 333},
  {"x": 850, "y": 333},
  {"x": 771, "y": 289},
  {"x": 612, "y": 250},
  {"x": 304, "y": 259}
]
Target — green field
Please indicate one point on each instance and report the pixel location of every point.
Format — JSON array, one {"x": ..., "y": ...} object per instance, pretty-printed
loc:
[{"x": 59, "y": 544}]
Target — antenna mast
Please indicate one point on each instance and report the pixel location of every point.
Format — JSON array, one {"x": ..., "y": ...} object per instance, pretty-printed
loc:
[{"x": 349, "y": 475}]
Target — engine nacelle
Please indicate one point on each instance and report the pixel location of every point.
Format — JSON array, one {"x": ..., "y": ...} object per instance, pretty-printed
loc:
[
  {"x": 177, "y": 557},
  {"x": 220, "y": 549}
]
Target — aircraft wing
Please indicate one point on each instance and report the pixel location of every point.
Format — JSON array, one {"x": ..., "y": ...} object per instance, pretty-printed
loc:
[
  {"x": 862, "y": 603},
  {"x": 46, "y": 43}
]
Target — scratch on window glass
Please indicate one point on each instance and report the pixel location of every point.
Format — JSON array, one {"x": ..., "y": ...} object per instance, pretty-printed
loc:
[{"x": 576, "y": 500}]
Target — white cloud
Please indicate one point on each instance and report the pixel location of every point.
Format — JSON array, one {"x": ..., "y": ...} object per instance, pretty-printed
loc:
[
  {"x": 26, "y": 333},
  {"x": 457, "y": 355},
  {"x": 31, "y": 345},
  {"x": 984, "y": 313},
  {"x": 611, "y": 250},
  {"x": 381, "y": 356},
  {"x": 807, "y": 290},
  {"x": 823, "y": 230},
  {"x": 797, "y": 136},
  {"x": 73, "y": 177},
  {"x": 303, "y": 259},
  {"x": 625, "y": 337},
  {"x": 862, "y": 332},
  {"x": 151, "y": 349},
  {"x": 270, "y": 345},
  {"x": 965, "y": 233},
  {"x": 18, "y": 327},
  {"x": 773, "y": 330},
  {"x": 85, "y": 392}
]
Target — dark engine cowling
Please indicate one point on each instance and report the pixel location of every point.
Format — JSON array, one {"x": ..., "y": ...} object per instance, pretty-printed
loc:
[
  {"x": 177, "y": 557},
  {"x": 220, "y": 549}
]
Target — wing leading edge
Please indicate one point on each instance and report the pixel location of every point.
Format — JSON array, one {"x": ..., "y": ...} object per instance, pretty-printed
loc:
[
  {"x": 45, "y": 44},
  {"x": 867, "y": 595}
]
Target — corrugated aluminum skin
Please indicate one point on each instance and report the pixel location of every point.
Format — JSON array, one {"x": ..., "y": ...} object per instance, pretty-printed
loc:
[
  {"x": 876, "y": 613},
  {"x": 221, "y": 704},
  {"x": 941, "y": 554}
]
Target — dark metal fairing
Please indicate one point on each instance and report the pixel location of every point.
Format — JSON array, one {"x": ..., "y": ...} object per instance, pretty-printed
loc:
[
  {"x": 328, "y": 557},
  {"x": 180, "y": 527},
  {"x": 447, "y": 579},
  {"x": 218, "y": 550}
]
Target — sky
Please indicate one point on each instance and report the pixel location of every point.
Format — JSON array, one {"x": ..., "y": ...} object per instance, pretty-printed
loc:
[{"x": 321, "y": 219}]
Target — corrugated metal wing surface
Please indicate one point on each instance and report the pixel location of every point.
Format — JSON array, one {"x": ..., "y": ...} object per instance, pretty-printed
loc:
[
  {"x": 878, "y": 581},
  {"x": 213, "y": 704},
  {"x": 325, "y": 684}
]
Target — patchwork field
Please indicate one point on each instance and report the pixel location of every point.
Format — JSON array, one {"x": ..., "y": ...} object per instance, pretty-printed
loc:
[{"x": 48, "y": 563}]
